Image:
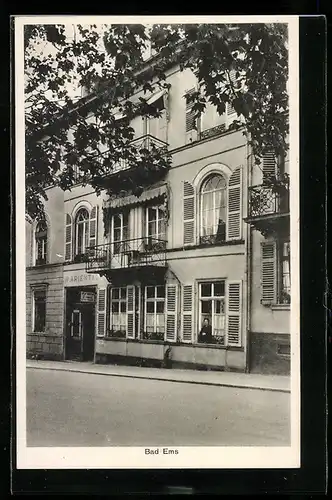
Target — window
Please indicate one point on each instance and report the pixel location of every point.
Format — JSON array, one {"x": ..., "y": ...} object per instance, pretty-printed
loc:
[
  {"x": 190, "y": 113},
  {"x": 156, "y": 226},
  {"x": 81, "y": 232},
  {"x": 41, "y": 242},
  {"x": 275, "y": 272},
  {"x": 118, "y": 320},
  {"x": 212, "y": 315},
  {"x": 39, "y": 310},
  {"x": 213, "y": 209},
  {"x": 284, "y": 279},
  {"x": 154, "y": 312},
  {"x": 120, "y": 230}
]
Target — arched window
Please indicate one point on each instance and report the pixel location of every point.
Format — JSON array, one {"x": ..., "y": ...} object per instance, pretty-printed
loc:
[
  {"x": 81, "y": 231},
  {"x": 213, "y": 209},
  {"x": 41, "y": 242}
]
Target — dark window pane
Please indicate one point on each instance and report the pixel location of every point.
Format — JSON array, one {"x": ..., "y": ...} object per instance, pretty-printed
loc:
[
  {"x": 160, "y": 291},
  {"x": 123, "y": 307},
  {"x": 160, "y": 307},
  {"x": 219, "y": 289},
  {"x": 150, "y": 292},
  {"x": 219, "y": 306},
  {"x": 123, "y": 293},
  {"x": 206, "y": 306},
  {"x": 152, "y": 214},
  {"x": 115, "y": 293},
  {"x": 115, "y": 307},
  {"x": 150, "y": 307},
  {"x": 206, "y": 290},
  {"x": 117, "y": 221}
]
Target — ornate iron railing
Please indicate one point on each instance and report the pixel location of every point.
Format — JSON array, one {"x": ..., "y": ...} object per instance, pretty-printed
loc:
[
  {"x": 148, "y": 142},
  {"x": 132, "y": 253},
  {"x": 211, "y": 132},
  {"x": 268, "y": 200}
]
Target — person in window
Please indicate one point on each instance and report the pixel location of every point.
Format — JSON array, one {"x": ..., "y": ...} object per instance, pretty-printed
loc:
[{"x": 205, "y": 335}]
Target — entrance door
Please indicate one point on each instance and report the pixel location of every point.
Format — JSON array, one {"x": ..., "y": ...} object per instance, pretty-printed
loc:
[
  {"x": 75, "y": 340},
  {"x": 80, "y": 324}
]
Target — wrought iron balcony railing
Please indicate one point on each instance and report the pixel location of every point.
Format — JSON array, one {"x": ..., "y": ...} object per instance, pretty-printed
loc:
[
  {"x": 133, "y": 253},
  {"x": 148, "y": 142},
  {"x": 267, "y": 200}
]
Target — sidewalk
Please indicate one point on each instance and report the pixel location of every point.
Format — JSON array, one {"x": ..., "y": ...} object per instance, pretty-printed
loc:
[{"x": 277, "y": 383}]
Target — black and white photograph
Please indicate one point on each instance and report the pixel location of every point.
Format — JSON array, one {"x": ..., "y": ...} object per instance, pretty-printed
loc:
[{"x": 157, "y": 178}]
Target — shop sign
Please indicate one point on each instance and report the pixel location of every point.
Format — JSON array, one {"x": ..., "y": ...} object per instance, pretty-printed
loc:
[
  {"x": 87, "y": 297},
  {"x": 81, "y": 278}
]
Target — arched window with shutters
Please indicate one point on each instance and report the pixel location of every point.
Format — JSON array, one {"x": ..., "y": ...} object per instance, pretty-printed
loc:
[
  {"x": 213, "y": 209},
  {"x": 41, "y": 242},
  {"x": 212, "y": 206},
  {"x": 81, "y": 232}
]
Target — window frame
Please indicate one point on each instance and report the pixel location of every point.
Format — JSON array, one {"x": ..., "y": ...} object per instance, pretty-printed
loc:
[
  {"x": 119, "y": 301},
  {"x": 213, "y": 298},
  {"x": 156, "y": 236},
  {"x": 200, "y": 197},
  {"x": 44, "y": 241},
  {"x": 280, "y": 258},
  {"x": 34, "y": 290},
  {"x": 155, "y": 299},
  {"x": 86, "y": 231},
  {"x": 121, "y": 214}
]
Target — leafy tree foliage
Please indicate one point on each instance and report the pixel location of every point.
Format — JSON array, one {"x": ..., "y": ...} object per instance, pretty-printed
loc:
[{"x": 245, "y": 65}]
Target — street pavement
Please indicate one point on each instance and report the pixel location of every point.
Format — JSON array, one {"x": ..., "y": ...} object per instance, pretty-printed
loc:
[{"x": 68, "y": 408}]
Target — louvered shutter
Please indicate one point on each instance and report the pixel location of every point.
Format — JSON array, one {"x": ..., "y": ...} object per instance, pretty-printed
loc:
[
  {"x": 188, "y": 213},
  {"x": 190, "y": 115},
  {"x": 234, "y": 305},
  {"x": 191, "y": 130},
  {"x": 93, "y": 229},
  {"x": 130, "y": 312},
  {"x": 234, "y": 206},
  {"x": 68, "y": 238},
  {"x": 171, "y": 312},
  {"x": 229, "y": 108},
  {"x": 187, "y": 313},
  {"x": 101, "y": 312},
  {"x": 268, "y": 272},
  {"x": 269, "y": 164}
]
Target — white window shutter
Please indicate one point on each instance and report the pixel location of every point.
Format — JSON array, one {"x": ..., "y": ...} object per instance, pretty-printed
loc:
[
  {"x": 187, "y": 313},
  {"x": 269, "y": 165},
  {"x": 68, "y": 238},
  {"x": 130, "y": 312},
  {"x": 93, "y": 227},
  {"x": 171, "y": 312},
  {"x": 234, "y": 310},
  {"x": 101, "y": 312},
  {"x": 188, "y": 213},
  {"x": 268, "y": 272},
  {"x": 234, "y": 206},
  {"x": 191, "y": 122}
]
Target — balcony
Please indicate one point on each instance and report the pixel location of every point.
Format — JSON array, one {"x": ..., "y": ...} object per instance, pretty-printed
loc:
[
  {"x": 268, "y": 208},
  {"x": 146, "y": 142},
  {"x": 147, "y": 254}
]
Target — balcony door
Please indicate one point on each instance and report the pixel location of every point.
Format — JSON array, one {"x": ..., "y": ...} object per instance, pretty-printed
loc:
[{"x": 119, "y": 232}]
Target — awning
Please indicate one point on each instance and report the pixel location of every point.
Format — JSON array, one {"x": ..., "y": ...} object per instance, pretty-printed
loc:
[
  {"x": 116, "y": 201},
  {"x": 154, "y": 98}
]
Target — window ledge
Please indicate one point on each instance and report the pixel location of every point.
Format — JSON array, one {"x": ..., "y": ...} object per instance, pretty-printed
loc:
[
  {"x": 280, "y": 307},
  {"x": 173, "y": 343}
]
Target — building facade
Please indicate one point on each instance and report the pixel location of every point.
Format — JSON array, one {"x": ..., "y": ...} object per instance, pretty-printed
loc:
[{"x": 174, "y": 275}]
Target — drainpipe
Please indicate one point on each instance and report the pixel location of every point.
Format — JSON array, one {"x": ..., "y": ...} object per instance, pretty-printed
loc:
[{"x": 248, "y": 255}]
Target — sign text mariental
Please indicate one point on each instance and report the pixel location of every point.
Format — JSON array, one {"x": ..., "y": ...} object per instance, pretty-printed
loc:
[{"x": 81, "y": 278}]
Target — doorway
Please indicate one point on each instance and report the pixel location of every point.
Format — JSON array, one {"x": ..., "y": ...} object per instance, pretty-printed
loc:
[{"x": 80, "y": 323}]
